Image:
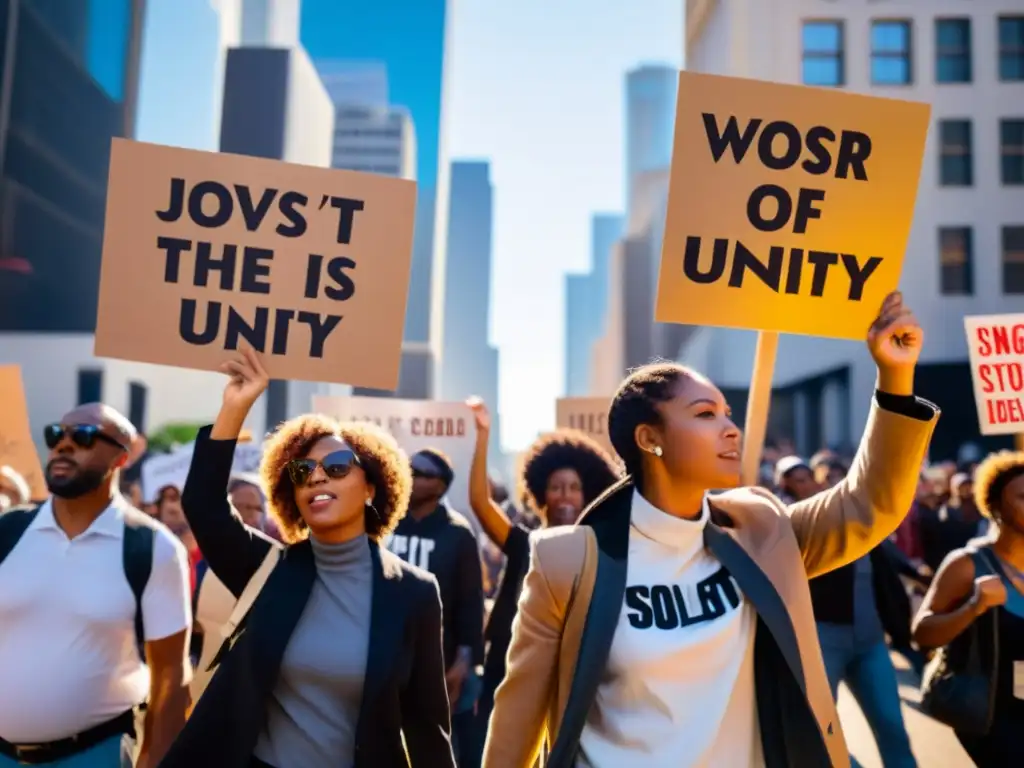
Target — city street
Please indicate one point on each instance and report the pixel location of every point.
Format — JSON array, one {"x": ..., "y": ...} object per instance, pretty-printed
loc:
[{"x": 934, "y": 745}]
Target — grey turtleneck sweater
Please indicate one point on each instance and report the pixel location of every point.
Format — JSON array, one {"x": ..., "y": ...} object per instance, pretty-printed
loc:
[{"x": 314, "y": 709}]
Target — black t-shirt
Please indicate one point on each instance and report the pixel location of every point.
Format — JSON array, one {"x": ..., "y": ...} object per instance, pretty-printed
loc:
[
  {"x": 444, "y": 544},
  {"x": 499, "y": 626}
]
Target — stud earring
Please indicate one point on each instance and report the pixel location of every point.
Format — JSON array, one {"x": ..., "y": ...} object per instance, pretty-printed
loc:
[{"x": 656, "y": 450}]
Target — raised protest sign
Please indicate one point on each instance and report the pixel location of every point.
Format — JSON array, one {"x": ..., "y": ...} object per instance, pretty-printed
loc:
[
  {"x": 309, "y": 266},
  {"x": 17, "y": 449},
  {"x": 789, "y": 210},
  {"x": 789, "y": 207},
  {"x": 415, "y": 425},
  {"x": 995, "y": 344},
  {"x": 588, "y": 415},
  {"x": 170, "y": 469}
]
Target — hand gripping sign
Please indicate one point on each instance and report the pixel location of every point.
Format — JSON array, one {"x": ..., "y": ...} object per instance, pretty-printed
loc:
[
  {"x": 204, "y": 252},
  {"x": 789, "y": 210}
]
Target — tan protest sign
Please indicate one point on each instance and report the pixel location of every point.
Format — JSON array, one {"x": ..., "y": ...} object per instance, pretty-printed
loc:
[
  {"x": 16, "y": 446},
  {"x": 308, "y": 265},
  {"x": 789, "y": 207},
  {"x": 417, "y": 424},
  {"x": 587, "y": 414},
  {"x": 995, "y": 344}
]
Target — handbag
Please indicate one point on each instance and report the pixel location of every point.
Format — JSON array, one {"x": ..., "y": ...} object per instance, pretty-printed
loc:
[
  {"x": 958, "y": 688},
  {"x": 213, "y": 653}
]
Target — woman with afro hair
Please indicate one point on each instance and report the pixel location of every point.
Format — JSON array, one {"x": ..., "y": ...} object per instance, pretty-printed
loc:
[
  {"x": 560, "y": 474},
  {"x": 983, "y": 584},
  {"x": 339, "y": 661}
]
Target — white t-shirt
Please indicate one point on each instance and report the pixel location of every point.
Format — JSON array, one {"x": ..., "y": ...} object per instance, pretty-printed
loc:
[
  {"x": 69, "y": 658},
  {"x": 678, "y": 690}
]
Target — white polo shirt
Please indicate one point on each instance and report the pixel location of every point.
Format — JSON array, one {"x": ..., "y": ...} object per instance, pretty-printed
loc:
[{"x": 68, "y": 653}]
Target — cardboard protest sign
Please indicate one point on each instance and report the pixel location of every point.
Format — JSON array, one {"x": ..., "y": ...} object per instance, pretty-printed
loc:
[
  {"x": 17, "y": 449},
  {"x": 309, "y": 266},
  {"x": 995, "y": 344},
  {"x": 789, "y": 207},
  {"x": 171, "y": 469},
  {"x": 588, "y": 415},
  {"x": 418, "y": 424}
]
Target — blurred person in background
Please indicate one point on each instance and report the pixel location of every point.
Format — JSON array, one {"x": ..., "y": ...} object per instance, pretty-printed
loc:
[
  {"x": 14, "y": 489},
  {"x": 983, "y": 584},
  {"x": 955, "y": 523},
  {"x": 248, "y": 501},
  {"x": 794, "y": 479}
]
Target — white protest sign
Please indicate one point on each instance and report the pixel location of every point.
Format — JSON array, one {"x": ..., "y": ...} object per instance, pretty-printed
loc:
[
  {"x": 418, "y": 424},
  {"x": 995, "y": 344},
  {"x": 170, "y": 469}
]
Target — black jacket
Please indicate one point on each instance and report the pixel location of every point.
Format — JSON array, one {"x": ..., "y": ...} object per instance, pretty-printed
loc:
[{"x": 404, "y": 690}]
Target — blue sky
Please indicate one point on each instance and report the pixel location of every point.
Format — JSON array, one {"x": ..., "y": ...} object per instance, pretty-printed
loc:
[{"x": 536, "y": 87}]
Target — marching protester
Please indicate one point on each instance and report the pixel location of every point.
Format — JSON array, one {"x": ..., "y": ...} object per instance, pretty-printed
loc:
[
  {"x": 84, "y": 578},
  {"x": 976, "y": 607},
  {"x": 671, "y": 583},
  {"x": 440, "y": 540},
  {"x": 855, "y": 606},
  {"x": 561, "y": 473},
  {"x": 340, "y": 659}
]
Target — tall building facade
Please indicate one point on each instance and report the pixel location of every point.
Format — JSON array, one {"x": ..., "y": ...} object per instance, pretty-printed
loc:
[
  {"x": 965, "y": 254},
  {"x": 586, "y": 303},
  {"x": 469, "y": 363},
  {"x": 374, "y": 139},
  {"x": 69, "y": 77},
  {"x": 650, "y": 112},
  {"x": 410, "y": 38}
]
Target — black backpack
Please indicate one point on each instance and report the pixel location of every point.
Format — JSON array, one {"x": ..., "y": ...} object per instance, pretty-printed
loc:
[{"x": 136, "y": 555}]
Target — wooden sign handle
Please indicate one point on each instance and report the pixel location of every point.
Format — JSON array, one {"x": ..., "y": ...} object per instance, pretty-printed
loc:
[
  {"x": 1018, "y": 441},
  {"x": 759, "y": 400}
]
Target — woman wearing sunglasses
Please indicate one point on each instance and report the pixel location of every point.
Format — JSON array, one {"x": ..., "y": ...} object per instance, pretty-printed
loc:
[{"x": 339, "y": 661}]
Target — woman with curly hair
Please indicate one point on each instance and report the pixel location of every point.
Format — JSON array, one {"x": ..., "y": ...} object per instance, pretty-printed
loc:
[
  {"x": 339, "y": 660},
  {"x": 983, "y": 584},
  {"x": 560, "y": 474},
  {"x": 672, "y": 625}
]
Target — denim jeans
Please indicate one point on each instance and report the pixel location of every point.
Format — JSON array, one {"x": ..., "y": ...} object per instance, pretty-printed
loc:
[
  {"x": 115, "y": 752},
  {"x": 868, "y": 672}
]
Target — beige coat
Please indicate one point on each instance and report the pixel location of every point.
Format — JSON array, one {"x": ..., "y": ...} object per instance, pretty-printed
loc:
[{"x": 572, "y": 598}]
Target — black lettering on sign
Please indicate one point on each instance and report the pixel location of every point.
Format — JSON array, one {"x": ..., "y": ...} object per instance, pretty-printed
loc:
[
  {"x": 779, "y": 146},
  {"x": 667, "y": 607},
  {"x": 237, "y": 267},
  {"x": 591, "y": 423},
  {"x": 437, "y": 426}
]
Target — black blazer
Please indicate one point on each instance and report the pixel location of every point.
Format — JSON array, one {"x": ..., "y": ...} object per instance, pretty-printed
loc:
[{"x": 404, "y": 692}]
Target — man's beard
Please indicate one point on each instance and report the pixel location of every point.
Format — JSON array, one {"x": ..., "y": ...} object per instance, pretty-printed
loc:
[{"x": 73, "y": 486}]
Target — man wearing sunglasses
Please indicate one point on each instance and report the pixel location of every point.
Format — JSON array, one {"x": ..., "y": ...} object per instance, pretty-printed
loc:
[
  {"x": 440, "y": 540},
  {"x": 81, "y": 575}
]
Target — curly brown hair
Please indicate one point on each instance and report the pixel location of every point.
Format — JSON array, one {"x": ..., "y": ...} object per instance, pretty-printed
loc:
[
  {"x": 565, "y": 449},
  {"x": 384, "y": 462},
  {"x": 991, "y": 478}
]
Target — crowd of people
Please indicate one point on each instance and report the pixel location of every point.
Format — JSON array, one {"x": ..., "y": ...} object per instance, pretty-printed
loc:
[{"x": 336, "y": 610}]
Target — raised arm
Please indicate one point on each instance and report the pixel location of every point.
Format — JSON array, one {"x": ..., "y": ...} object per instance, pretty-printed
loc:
[
  {"x": 232, "y": 550},
  {"x": 492, "y": 519},
  {"x": 846, "y": 522}
]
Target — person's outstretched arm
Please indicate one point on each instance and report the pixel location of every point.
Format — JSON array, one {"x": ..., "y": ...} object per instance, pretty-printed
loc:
[
  {"x": 232, "y": 550},
  {"x": 492, "y": 519},
  {"x": 840, "y": 525}
]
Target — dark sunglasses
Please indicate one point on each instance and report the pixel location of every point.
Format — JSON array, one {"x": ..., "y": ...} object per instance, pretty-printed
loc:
[
  {"x": 336, "y": 465},
  {"x": 82, "y": 435},
  {"x": 425, "y": 475}
]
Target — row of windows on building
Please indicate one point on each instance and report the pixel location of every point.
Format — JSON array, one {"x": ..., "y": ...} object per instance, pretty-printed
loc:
[
  {"x": 956, "y": 152},
  {"x": 956, "y": 260},
  {"x": 387, "y": 170},
  {"x": 892, "y": 51},
  {"x": 391, "y": 151},
  {"x": 368, "y": 133}
]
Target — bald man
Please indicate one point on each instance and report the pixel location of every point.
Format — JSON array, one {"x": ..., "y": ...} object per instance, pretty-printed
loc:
[{"x": 70, "y": 668}]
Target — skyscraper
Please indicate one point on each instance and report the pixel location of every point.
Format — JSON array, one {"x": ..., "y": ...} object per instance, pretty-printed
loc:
[
  {"x": 409, "y": 37},
  {"x": 650, "y": 120},
  {"x": 586, "y": 303}
]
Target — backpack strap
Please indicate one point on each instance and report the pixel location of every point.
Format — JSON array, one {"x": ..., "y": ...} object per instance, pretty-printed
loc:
[
  {"x": 137, "y": 558},
  {"x": 13, "y": 524}
]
